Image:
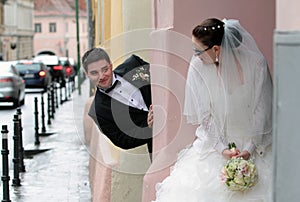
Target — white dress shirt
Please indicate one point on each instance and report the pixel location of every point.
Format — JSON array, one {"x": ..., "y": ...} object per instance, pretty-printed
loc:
[{"x": 127, "y": 94}]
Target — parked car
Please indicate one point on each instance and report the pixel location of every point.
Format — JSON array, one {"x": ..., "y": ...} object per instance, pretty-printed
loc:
[
  {"x": 12, "y": 85},
  {"x": 35, "y": 74},
  {"x": 57, "y": 70},
  {"x": 69, "y": 65}
]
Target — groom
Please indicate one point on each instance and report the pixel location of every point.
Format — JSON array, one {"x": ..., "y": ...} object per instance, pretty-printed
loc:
[{"x": 123, "y": 99}]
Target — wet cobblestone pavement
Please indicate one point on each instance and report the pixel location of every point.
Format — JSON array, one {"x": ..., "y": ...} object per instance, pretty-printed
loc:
[{"x": 61, "y": 173}]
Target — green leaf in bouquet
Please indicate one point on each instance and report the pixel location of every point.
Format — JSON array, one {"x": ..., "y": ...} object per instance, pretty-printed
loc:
[{"x": 231, "y": 145}]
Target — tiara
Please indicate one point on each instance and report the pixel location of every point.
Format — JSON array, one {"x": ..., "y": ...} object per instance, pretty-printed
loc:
[{"x": 206, "y": 28}]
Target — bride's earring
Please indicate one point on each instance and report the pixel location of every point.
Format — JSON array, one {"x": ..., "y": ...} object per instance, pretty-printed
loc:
[{"x": 217, "y": 61}]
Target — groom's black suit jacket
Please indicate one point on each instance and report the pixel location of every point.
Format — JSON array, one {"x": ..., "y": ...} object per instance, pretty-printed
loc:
[{"x": 125, "y": 126}]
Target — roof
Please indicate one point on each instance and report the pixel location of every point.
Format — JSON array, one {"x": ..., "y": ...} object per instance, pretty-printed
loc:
[{"x": 58, "y": 7}]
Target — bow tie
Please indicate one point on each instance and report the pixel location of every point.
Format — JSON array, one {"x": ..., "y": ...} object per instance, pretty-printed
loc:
[{"x": 112, "y": 87}]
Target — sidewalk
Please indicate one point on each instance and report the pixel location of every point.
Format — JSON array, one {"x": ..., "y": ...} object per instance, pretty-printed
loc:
[{"x": 60, "y": 174}]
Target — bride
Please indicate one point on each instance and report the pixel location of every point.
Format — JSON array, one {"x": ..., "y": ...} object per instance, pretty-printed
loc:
[{"x": 229, "y": 97}]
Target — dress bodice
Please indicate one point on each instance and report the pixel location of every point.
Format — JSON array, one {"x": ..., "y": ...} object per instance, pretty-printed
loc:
[{"x": 235, "y": 125}]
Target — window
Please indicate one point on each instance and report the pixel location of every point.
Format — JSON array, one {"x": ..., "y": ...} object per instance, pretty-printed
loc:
[
  {"x": 52, "y": 27},
  {"x": 38, "y": 27}
]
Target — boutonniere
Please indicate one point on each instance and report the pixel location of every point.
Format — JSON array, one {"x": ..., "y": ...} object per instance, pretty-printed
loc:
[{"x": 141, "y": 74}]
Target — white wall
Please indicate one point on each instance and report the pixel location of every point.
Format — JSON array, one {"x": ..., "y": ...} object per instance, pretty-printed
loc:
[
  {"x": 287, "y": 15},
  {"x": 19, "y": 15},
  {"x": 136, "y": 26},
  {"x": 18, "y": 29},
  {"x": 286, "y": 101}
]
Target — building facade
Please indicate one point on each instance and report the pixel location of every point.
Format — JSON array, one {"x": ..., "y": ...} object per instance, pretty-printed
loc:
[
  {"x": 55, "y": 27},
  {"x": 166, "y": 42},
  {"x": 122, "y": 28},
  {"x": 1, "y": 27},
  {"x": 16, "y": 32}
]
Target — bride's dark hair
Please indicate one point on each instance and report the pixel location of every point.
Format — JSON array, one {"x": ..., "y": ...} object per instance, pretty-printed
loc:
[{"x": 211, "y": 31}]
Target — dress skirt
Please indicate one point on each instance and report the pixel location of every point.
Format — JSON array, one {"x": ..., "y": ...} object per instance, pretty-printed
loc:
[{"x": 197, "y": 178}]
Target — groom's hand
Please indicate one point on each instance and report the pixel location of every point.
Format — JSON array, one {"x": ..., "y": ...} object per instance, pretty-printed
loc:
[{"x": 150, "y": 117}]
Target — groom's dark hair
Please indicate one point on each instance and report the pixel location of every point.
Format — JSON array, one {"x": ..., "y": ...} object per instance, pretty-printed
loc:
[{"x": 93, "y": 55}]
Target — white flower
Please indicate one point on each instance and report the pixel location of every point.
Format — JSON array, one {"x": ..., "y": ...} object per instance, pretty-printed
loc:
[
  {"x": 239, "y": 174},
  {"x": 141, "y": 74}
]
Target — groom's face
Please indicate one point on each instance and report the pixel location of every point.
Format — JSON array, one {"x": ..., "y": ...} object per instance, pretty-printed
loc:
[{"x": 100, "y": 73}]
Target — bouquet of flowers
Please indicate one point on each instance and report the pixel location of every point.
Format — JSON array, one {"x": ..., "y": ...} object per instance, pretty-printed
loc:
[{"x": 239, "y": 174}]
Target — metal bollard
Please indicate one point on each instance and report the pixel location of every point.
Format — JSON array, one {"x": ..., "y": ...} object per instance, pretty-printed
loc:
[
  {"x": 72, "y": 87},
  {"x": 16, "y": 160},
  {"x": 49, "y": 106},
  {"x": 56, "y": 96},
  {"x": 5, "y": 170},
  {"x": 37, "y": 141},
  {"x": 52, "y": 101},
  {"x": 69, "y": 88},
  {"x": 43, "y": 133},
  {"x": 43, "y": 114},
  {"x": 66, "y": 91},
  {"x": 60, "y": 95},
  {"x": 21, "y": 148}
]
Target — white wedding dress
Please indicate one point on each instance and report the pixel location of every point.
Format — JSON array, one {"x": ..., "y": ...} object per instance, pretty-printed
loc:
[
  {"x": 196, "y": 176},
  {"x": 229, "y": 104}
]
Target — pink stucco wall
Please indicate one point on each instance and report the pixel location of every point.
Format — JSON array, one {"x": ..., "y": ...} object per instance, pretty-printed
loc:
[
  {"x": 257, "y": 17},
  {"x": 174, "y": 21},
  {"x": 64, "y": 38}
]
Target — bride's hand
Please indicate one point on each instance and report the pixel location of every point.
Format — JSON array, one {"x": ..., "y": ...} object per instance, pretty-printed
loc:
[
  {"x": 244, "y": 154},
  {"x": 228, "y": 154}
]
